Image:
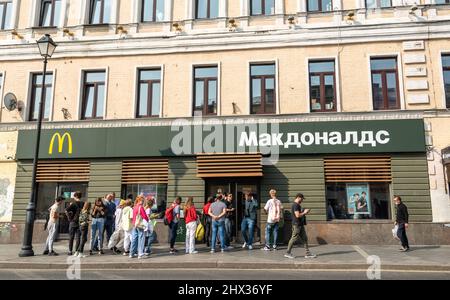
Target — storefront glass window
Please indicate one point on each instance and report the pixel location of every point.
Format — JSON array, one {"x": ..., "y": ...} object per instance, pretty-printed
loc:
[
  {"x": 358, "y": 201},
  {"x": 158, "y": 191}
]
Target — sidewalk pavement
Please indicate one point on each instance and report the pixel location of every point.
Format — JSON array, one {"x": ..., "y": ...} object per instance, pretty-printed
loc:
[{"x": 329, "y": 257}]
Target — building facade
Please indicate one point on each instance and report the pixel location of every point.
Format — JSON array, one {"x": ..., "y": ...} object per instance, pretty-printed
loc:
[{"x": 344, "y": 101}]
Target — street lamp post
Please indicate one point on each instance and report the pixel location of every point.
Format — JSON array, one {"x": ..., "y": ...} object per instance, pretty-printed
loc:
[{"x": 46, "y": 48}]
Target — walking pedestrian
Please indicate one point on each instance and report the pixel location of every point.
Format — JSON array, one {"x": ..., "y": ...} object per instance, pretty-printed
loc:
[
  {"x": 298, "y": 227},
  {"x": 173, "y": 217},
  {"x": 217, "y": 211},
  {"x": 126, "y": 225},
  {"x": 207, "y": 221},
  {"x": 84, "y": 220},
  {"x": 401, "y": 220},
  {"x": 73, "y": 215},
  {"x": 190, "y": 216},
  {"x": 98, "y": 222},
  {"x": 139, "y": 222},
  {"x": 273, "y": 209},
  {"x": 51, "y": 227},
  {"x": 249, "y": 220}
]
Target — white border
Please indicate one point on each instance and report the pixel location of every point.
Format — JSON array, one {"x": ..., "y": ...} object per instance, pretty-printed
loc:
[
  {"x": 337, "y": 80},
  {"x": 136, "y": 87},
  {"x": 191, "y": 89},
  {"x": 277, "y": 87},
  {"x": 80, "y": 90},
  {"x": 30, "y": 92},
  {"x": 441, "y": 69},
  {"x": 399, "y": 74}
]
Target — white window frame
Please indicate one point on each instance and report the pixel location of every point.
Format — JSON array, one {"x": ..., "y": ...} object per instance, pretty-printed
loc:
[
  {"x": 337, "y": 82},
  {"x": 136, "y": 88},
  {"x": 85, "y": 10},
  {"x": 191, "y": 88},
  {"x": 14, "y": 14},
  {"x": 30, "y": 93},
  {"x": 36, "y": 6},
  {"x": 441, "y": 68},
  {"x": 400, "y": 77},
  {"x": 277, "y": 83},
  {"x": 81, "y": 88}
]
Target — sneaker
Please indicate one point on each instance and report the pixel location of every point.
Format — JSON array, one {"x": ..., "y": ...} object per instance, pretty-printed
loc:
[
  {"x": 45, "y": 252},
  {"x": 101, "y": 252},
  {"x": 76, "y": 254},
  {"x": 310, "y": 255},
  {"x": 133, "y": 256},
  {"x": 69, "y": 253},
  {"x": 223, "y": 250},
  {"x": 53, "y": 253},
  {"x": 141, "y": 256},
  {"x": 172, "y": 251},
  {"x": 81, "y": 255},
  {"x": 212, "y": 251},
  {"x": 194, "y": 252},
  {"x": 95, "y": 249},
  {"x": 404, "y": 249},
  {"x": 244, "y": 245},
  {"x": 266, "y": 248},
  {"x": 250, "y": 247},
  {"x": 274, "y": 247},
  {"x": 289, "y": 255},
  {"x": 230, "y": 247}
]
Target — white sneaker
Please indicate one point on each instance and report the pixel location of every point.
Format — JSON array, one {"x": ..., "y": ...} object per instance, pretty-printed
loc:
[
  {"x": 133, "y": 256},
  {"x": 245, "y": 245},
  {"x": 194, "y": 252},
  {"x": 310, "y": 255},
  {"x": 81, "y": 255},
  {"x": 250, "y": 247},
  {"x": 76, "y": 254}
]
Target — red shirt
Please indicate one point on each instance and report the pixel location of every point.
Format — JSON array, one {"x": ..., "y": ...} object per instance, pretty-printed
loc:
[
  {"x": 206, "y": 208},
  {"x": 191, "y": 215}
]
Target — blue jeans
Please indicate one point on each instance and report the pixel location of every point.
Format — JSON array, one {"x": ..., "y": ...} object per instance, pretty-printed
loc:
[
  {"x": 109, "y": 227},
  {"x": 271, "y": 227},
  {"x": 221, "y": 226},
  {"x": 173, "y": 227},
  {"x": 228, "y": 233},
  {"x": 149, "y": 238},
  {"x": 97, "y": 232},
  {"x": 247, "y": 226},
  {"x": 137, "y": 241}
]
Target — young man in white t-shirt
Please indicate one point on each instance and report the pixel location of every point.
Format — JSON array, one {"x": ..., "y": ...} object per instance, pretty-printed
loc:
[
  {"x": 51, "y": 227},
  {"x": 273, "y": 209}
]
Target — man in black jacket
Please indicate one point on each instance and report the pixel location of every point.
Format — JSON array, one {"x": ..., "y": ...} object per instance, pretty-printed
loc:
[{"x": 401, "y": 219}]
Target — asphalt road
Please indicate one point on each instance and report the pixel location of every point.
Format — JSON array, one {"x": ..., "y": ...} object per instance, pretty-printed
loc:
[{"x": 209, "y": 274}]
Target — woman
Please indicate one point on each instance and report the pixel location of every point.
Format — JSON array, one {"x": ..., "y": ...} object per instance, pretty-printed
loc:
[
  {"x": 190, "y": 216},
  {"x": 207, "y": 220},
  {"x": 98, "y": 223},
  {"x": 140, "y": 221},
  {"x": 149, "y": 231},
  {"x": 84, "y": 227},
  {"x": 127, "y": 226}
]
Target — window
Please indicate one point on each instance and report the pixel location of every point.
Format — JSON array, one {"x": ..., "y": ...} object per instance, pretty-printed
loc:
[
  {"x": 5, "y": 14},
  {"x": 50, "y": 12},
  {"x": 446, "y": 71},
  {"x": 100, "y": 11},
  {"x": 385, "y": 90},
  {"x": 93, "y": 95},
  {"x": 378, "y": 3},
  {"x": 152, "y": 10},
  {"x": 320, "y": 5},
  {"x": 262, "y": 7},
  {"x": 206, "y": 9},
  {"x": 36, "y": 91},
  {"x": 156, "y": 190},
  {"x": 262, "y": 78},
  {"x": 322, "y": 87},
  {"x": 205, "y": 91},
  {"x": 149, "y": 93},
  {"x": 442, "y": 1}
]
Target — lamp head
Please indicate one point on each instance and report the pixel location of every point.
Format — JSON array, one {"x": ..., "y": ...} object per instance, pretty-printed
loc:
[{"x": 46, "y": 46}]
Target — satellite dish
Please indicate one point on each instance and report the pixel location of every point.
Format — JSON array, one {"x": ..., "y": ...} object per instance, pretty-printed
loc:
[{"x": 10, "y": 101}]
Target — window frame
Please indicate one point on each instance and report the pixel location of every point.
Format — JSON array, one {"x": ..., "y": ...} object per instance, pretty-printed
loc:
[
  {"x": 155, "y": 5},
  {"x": 3, "y": 25},
  {"x": 378, "y": 5},
  {"x": 102, "y": 12},
  {"x": 208, "y": 10},
  {"x": 319, "y": 7},
  {"x": 206, "y": 81},
  {"x": 383, "y": 75},
  {"x": 95, "y": 101},
  {"x": 263, "y": 85},
  {"x": 32, "y": 97},
  {"x": 263, "y": 8},
  {"x": 149, "y": 92},
  {"x": 322, "y": 85},
  {"x": 52, "y": 13},
  {"x": 441, "y": 55}
]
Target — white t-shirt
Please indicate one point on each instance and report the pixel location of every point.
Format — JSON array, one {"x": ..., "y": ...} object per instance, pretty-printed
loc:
[
  {"x": 273, "y": 207},
  {"x": 53, "y": 214}
]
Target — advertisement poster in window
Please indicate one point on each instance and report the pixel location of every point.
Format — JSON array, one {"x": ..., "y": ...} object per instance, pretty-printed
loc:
[{"x": 358, "y": 199}]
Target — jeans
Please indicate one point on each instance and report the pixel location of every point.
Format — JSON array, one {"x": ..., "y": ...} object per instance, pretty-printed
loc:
[
  {"x": 191, "y": 227},
  {"x": 51, "y": 227},
  {"x": 84, "y": 234},
  {"x": 109, "y": 227},
  {"x": 207, "y": 224},
  {"x": 137, "y": 241},
  {"x": 401, "y": 233},
  {"x": 271, "y": 227},
  {"x": 149, "y": 238},
  {"x": 173, "y": 227},
  {"x": 247, "y": 226},
  {"x": 96, "y": 232},
  {"x": 298, "y": 233},
  {"x": 228, "y": 231},
  {"x": 220, "y": 226},
  {"x": 74, "y": 230}
]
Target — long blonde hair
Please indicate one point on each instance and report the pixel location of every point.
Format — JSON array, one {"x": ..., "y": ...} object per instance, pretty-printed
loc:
[{"x": 189, "y": 204}]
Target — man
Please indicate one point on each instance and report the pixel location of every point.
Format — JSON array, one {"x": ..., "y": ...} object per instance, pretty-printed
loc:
[
  {"x": 51, "y": 227},
  {"x": 73, "y": 214},
  {"x": 298, "y": 227},
  {"x": 249, "y": 220},
  {"x": 229, "y": 220},
  {"x": 401, "y": 219},
  {"x": 110, "y": 214},
  {"x": 173, "y": 225},
  {"x": 217, "y": 211},
  {"x": 273, "y": 210}
]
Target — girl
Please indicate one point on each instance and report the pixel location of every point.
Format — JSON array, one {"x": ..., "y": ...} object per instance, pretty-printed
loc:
[
  {"x": 126, "y": 225},
  {"x": 190, "y": 216},
  {"x": 149, "y": 232},
  {"x": 140, "y": 221},
  {"x": 84, "y": 227},
  {"x": 98, "y": 223}
]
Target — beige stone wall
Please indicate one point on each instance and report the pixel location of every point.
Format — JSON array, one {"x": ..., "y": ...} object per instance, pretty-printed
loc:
[{"x": 8, "y": 167}]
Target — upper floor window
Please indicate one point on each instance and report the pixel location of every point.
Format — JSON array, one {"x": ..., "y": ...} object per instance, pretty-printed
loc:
[
  {"x": 152, "y": 10},
  {"x": 322, "y": 85},
  {"x": 206, "y": 9},
  {"x": 320, "y": 5},
  {"x": 262, "y": 7},
  {"x": 385, "y": 89},
  {"x": 205, "y": 90},
  {"x": 446, "y": 70},
  {"x": 149, "y": 93},
  {"x": 37, "y": 88},
  {"x": 5, "y": 14},
  {"x": 262, "y": 89},
  {"x": 93, "y": 95},
  {"x": 99, "y": 11},
  {"x": 442, "y": 1},
  {"x": 50, "y": 12},
  {"x": 378, "y": 3}
]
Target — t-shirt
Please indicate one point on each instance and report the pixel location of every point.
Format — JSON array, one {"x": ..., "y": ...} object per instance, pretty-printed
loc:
[
  {"x": 273, "y": 207},
  {"x": 175, "y": 212},
  {"x": 53, "y": 214},
  {"x": 217, "y": 208},
  {"x": 295, "y": 220},
  {"x": 127, "y": 215},
  {"x": 230, "y": 214}
]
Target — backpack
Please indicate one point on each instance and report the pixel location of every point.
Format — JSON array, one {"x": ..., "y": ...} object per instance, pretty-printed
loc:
[
  {"x": 200, "y": 233},
  {"x": 168, "y": 216}
]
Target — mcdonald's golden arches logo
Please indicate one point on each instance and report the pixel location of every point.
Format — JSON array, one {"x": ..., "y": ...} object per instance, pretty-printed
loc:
[{"x": 61, "y": 140}]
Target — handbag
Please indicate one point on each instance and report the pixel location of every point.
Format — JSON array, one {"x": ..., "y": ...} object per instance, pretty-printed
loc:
[
  {"x": 199, "y": 232},
  {"x": 140, "y": 222},
  {"x": 395, "y": 232}
]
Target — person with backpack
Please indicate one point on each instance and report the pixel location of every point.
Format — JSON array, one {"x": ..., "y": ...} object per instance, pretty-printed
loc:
[
  {"x": 140, "y": 223},
  {"x": 190, "y": 216},
  {"x": 207, "y": 221},
  {"x": 126, "y": 225},
  {"x": 51, "y": 227},
  {"x": 171, "y": 218},
  {"x": 73, "y": 215},
  {"x": 273, "y": 209},
  {"x": 84, "y": 227},
  {"x": 98, "y": 221}
]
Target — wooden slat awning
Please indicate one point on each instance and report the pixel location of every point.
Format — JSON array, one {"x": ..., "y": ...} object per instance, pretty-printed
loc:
[
  {"x": 145, "y": 171},
  {"x": 358, "y": 169},
  {"x": 229, "y": 165},
  {"x": 63, "y": 171}
]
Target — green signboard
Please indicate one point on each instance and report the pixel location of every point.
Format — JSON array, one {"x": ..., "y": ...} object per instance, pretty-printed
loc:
[{"x": 268, "y": 138}]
